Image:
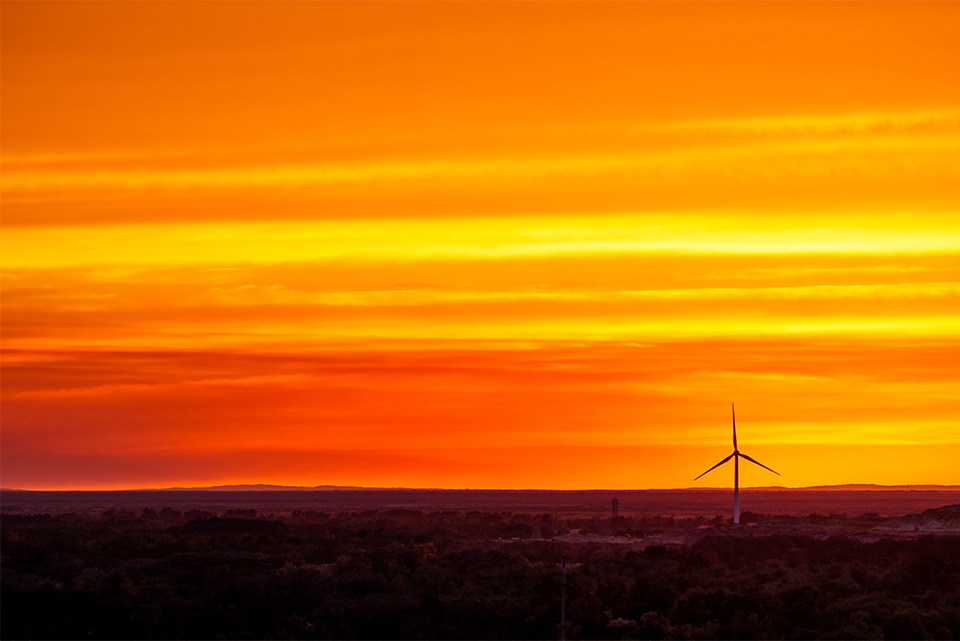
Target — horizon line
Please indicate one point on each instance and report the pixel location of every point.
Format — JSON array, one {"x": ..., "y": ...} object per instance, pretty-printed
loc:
[{"x": 240, "y": 487}]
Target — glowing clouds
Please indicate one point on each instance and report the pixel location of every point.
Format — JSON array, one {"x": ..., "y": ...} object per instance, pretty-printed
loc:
[{"x": 426, "y": 244}]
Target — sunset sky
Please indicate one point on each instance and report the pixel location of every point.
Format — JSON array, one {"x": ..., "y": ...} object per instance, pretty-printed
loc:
[{"x": 479, "y": 244}]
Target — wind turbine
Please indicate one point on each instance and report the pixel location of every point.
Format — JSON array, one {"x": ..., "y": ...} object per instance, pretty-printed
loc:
[{"x": 736, "y": 468}]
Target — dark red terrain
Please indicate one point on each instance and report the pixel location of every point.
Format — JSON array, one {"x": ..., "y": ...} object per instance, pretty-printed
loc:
[{"x": 679, "y": 503}]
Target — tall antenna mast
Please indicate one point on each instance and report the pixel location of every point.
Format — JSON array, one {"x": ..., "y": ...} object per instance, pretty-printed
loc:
[{"x": 613, "y": 521}]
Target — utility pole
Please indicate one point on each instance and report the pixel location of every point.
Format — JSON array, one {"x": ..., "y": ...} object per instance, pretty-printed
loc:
[
  {"x": 613, "y": 521},
  {"x": 563, "y": 599}
]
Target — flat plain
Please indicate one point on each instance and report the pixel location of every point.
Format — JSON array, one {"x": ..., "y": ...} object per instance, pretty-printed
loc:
[{"x": 709, "y": 502}]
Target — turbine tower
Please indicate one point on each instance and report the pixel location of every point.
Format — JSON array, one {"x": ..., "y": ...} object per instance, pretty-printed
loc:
[{"x": 736, "y": 467}]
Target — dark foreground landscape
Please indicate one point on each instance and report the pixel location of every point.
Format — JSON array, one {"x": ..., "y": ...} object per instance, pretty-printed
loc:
[{"x": 115, "y": 565}]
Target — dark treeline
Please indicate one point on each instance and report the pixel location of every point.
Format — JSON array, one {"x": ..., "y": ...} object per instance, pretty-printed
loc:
[{"x": 448, "y": 575}]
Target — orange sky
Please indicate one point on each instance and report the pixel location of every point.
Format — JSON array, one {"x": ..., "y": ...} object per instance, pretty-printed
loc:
[{"x": 479, "y": 244}]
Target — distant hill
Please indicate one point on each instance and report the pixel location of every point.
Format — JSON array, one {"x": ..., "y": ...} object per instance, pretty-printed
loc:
[
  {"x": 257, "y": 487},
  {"x": 264, "y": 487},
  {"x": 871, "y": 486},
  {"x": 945, "y": 514}
]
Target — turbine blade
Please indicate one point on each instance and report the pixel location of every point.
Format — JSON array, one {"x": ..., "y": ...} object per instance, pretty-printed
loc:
[
  {"x": 717, "y": 465},
  {"x": 733, "y": 413},
  {"x": 758, "y": 463}
]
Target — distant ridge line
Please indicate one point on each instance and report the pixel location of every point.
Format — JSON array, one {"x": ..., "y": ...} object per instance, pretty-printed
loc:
[{"x": 264, "y": 487}]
